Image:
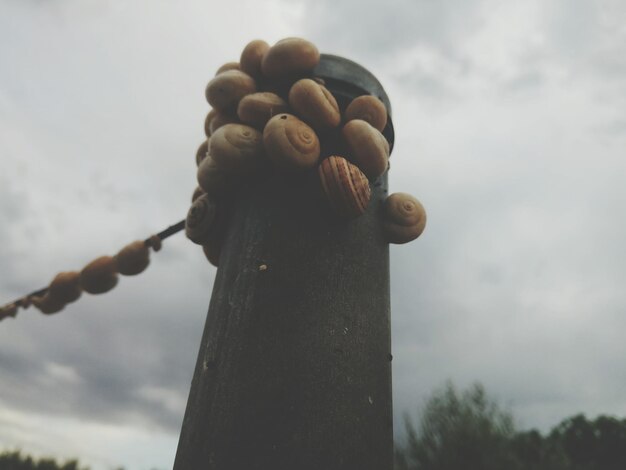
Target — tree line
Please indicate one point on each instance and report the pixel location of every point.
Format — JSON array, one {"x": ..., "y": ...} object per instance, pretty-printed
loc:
[{"x": 468, "y": 430}]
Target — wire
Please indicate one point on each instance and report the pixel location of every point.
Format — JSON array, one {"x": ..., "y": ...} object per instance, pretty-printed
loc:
[{"x": 9, "y": 310}]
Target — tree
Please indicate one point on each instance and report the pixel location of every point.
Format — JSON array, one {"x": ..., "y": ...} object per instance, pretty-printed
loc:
[{"x": 459, "y": 431}]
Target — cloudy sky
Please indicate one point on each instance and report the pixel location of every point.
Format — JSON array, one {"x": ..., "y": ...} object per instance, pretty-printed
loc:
[{"x": 510, "y": 128}]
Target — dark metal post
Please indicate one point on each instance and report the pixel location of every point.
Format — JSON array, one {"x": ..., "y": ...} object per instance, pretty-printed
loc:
[{"x": 294, "y": 368}]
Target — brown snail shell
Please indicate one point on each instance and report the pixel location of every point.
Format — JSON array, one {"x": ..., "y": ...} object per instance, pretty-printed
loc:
[
  {"x": 221, "y": 119},
  {"x": 65, "y": 287},
  {"x": 290, "y": 57},
  {"x": 368, "y": 148},
  {"x": 290, "y": 143},
  {"x": 214, "y": 180},
  {"x": 405, "y": 218},
  {"x": 227, "y": 88},
  {"x": 228, "y": 66},
  {"x": 202, "y": 152},
  {"x": 133, "y": 258},
  {"x": 345, "y": 186},
  {"x": 314, "y": 104},
  {"x": 237, "y": 148},
  {"x": 252, "y": 56},
  {"x": 369, "y": 109},
  {"x": 100, "y": 275},
  {"x": 200, "y": 221},
  {"x": 47, "y": 304},
  {"x": 258, "y": 108}
]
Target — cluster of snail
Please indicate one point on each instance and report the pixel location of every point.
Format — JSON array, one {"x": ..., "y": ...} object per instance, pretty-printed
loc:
[
  {"x": 269, "y": 113},
  {"x": 97, "y": 277}
]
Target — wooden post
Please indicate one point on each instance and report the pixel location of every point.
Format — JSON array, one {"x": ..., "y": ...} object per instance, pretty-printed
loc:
[{"x": 294, "y": 368}]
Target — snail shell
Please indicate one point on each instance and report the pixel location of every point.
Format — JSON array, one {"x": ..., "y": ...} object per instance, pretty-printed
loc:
[
  {"x": 221, "y": 119},
  {"x": 100, "y": 275},
  {"x": 345, "y": 187},
  {"x": 405, "y": 218},
  {"x": 227, "y": 88},
  {"x": 258, "y": 108},
  {"x": 369, "y": 109},
  {"x": 314, "y": 104},
  {"x": 65, "y": 287},
  {"x": 214, "y": 180},
  {"x": 252, "y": 56},
  {"x": 47, "y": 304},
  {"x": 290, "y": 143},
  {"x": 228, "y": 66},
  {"x": 290, "y": 57},
  {"x": 200, "y": 220},
  {"x": 202, "y": 152},
  {"x": 133, "y": 258},
  {"x": 207, "y": 122},
  {"x": 237, "y": 148},
  {"x": 368, "y": 148}
]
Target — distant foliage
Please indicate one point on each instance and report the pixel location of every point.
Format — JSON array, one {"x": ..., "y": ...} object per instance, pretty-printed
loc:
[
  {"x": 14, "y": 460},
  {"x": 468, "y": 431}
]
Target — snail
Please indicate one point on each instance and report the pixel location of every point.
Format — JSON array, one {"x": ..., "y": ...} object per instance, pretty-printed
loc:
[
  {"x": 227, "y": 88},
  {"x": 47, "y": 304},
  {"x": 200, "y": 221},
  {"x": 252, "y": 56},
  {"x": 221, "y": 119},
  {"x": 65, "y": 287},
  {"x": 201, "y": 152},
  {"x": 405, "y": 218},
  {"x": 345, "y": 186},
  {"x": 290, "y": 143},
  {"x": 100, "y": 275},
  {"x": 314, "y": 104},
  {"x": 369, "y": 109},
  {"x": 133, "y": 258},
  {"x": 237, "y": 148},
  {"x": 290, "y": 57},
  {"x": 228, "y": 66},
  {"x": 214, "y": 180},
  {"x": 367, "y": 147},
  {"x": 197, "y": 193},
  {"x": 258, "y": 108},
  {"x": 212, "y": 253}
]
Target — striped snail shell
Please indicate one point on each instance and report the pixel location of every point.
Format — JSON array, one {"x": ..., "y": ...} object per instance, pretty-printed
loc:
[
  {"x": 214, "y": 180},
  {"x": 290, "y": 57},
  {"x": 228, "y": 66},
  {"x": 47, "y": 304},
  {"x": 201, "y": 152},
  {"x": 290, "y": 143},
  {"x": 368, "y": 148},
  {"x": 227, "y": 88},
  {"x": 65, "y": 287},
  {"x": 405, "y": 218},
  {"x": 200, "y": 221},
  {"x": 100, "y": 275},
  {"x": 314, "y": 104},
  {"x": 258, "y": 108},
  {"x": 252, "y": 56},
  {"x": 133, "y": 258},
  {"x": 237, "y": 148},
  {"x": 345, "y": 186},
  {"x": 369, "y": 109}
]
